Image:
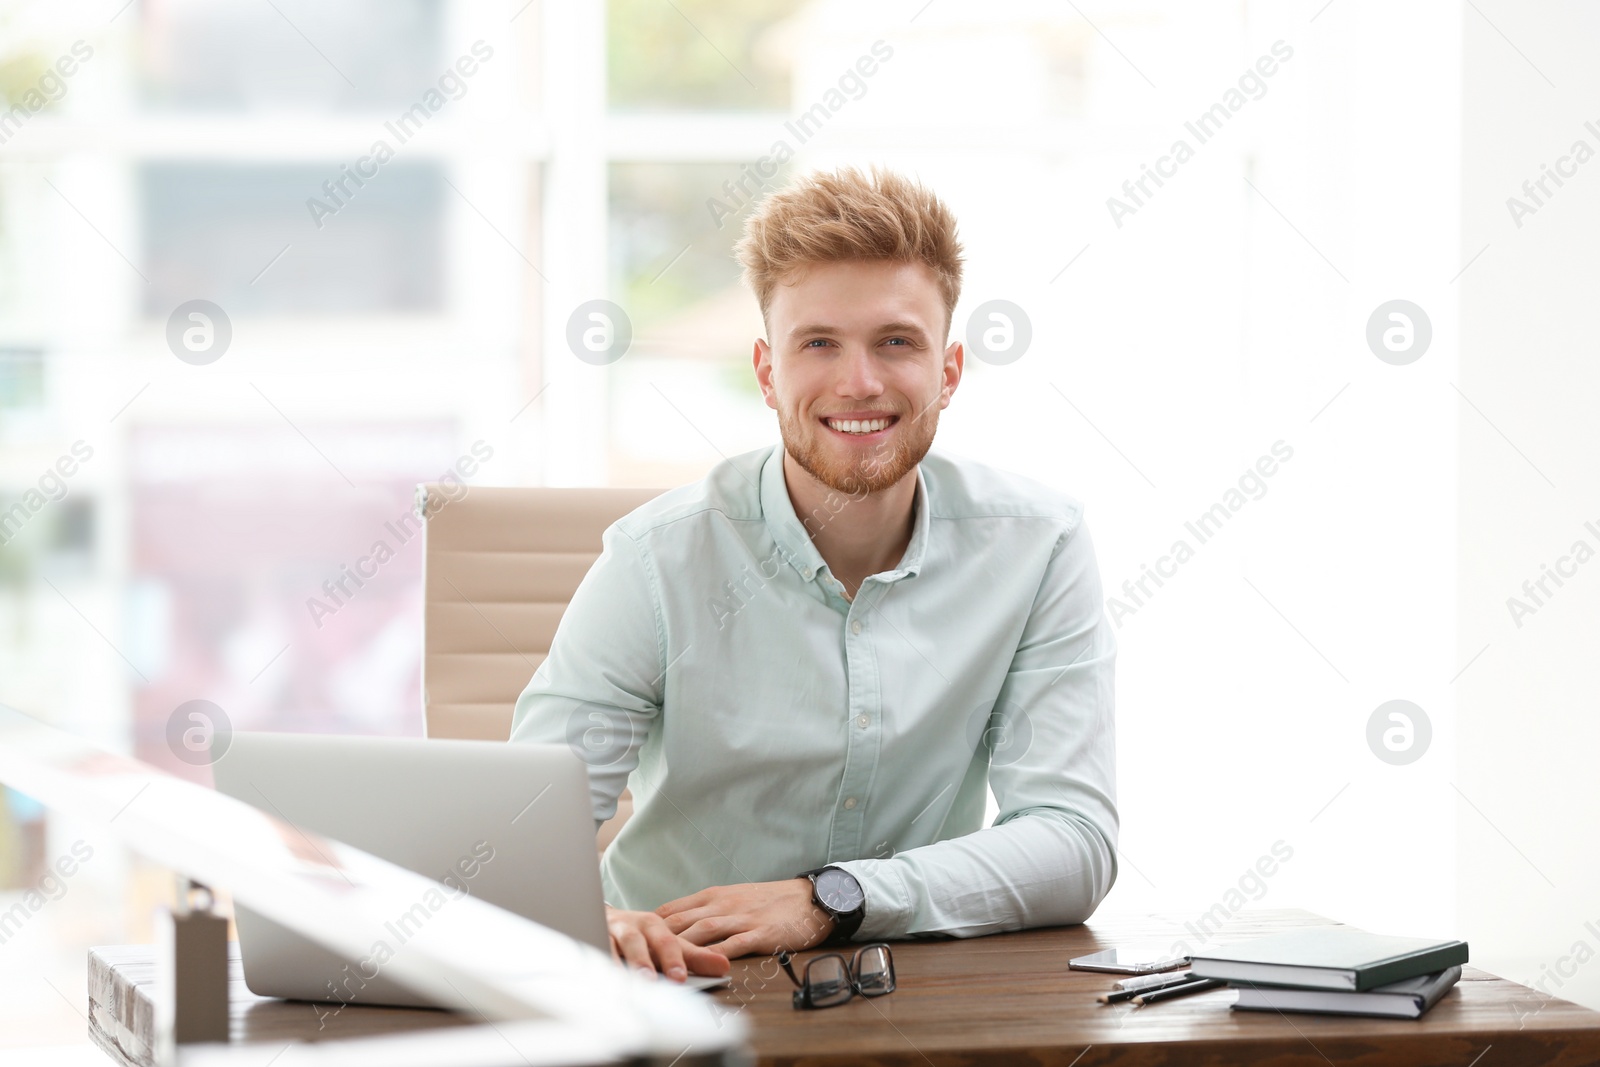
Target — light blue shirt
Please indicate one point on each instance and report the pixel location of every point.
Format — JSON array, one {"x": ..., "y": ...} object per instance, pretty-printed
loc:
[{"x": 768, "y": 725}]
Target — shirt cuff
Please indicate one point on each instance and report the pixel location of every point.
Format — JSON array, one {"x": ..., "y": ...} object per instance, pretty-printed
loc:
[{"x": 889, "y": 909}]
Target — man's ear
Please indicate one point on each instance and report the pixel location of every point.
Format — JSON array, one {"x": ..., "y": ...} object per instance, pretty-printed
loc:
[
  {"x": 761, "y": 359},
  {"x": 954, "y": 360}
]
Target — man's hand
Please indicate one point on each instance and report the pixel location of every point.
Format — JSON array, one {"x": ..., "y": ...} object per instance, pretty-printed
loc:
[
  {"x": 757, "y": 917},
  {"x": 642, "y": 939}
]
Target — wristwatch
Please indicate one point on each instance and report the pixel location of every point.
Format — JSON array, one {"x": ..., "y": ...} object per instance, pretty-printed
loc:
[{"x": 836, "y": 891}]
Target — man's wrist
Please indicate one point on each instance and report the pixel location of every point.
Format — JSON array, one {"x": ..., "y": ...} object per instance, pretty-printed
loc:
[
  {"x": 838, "y": 895},
  {"x": 820, "y": 923}
]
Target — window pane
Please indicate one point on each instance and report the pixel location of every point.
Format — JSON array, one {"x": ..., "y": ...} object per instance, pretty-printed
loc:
[
  {"x": 212, "y": 229},
  {"x": 673, "y": 228},
  {"x": 21, "y": 377},
  {"x": 697, "y": 54},
  {"x": 354, "y": 55},
  {"x": 685, "y": 394},
  {"x": 243, "y": 549}
]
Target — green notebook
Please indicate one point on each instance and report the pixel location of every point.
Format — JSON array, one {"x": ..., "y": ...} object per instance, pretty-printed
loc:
[{"x": 1334, "y": 957}]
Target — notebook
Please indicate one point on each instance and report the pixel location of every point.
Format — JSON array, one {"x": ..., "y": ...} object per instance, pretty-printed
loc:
[
  {"x": 1334, "y": 957},
  {"x": 1405, "y": 999}
]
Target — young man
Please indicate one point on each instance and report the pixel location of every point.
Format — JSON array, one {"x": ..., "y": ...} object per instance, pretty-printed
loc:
[{"x": 810, "y": 663}]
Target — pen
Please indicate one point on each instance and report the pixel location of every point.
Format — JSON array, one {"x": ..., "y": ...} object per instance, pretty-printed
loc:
[
  {"x": 1199, "y": 985},
  {"x": 1151, "y": 981},
  {"x": 1146, "y": 985}
]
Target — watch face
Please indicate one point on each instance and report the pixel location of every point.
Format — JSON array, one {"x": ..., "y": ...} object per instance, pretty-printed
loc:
[{"x": 839, "y": 891}]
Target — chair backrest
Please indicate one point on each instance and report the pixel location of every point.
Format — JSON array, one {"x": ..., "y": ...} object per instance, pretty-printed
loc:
[{"x": 499, "y": 566}]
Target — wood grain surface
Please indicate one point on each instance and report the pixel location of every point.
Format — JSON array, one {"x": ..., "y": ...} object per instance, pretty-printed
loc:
[
  {"x": 1005, "y": 999},
  {"x": 1011, "y": 999}
]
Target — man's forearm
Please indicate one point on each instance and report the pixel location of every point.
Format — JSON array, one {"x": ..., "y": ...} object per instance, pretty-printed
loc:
[{"x": 1044, "y": 867}]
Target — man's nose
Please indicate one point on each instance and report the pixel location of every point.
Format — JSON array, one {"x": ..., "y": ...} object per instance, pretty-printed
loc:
[{"x": 859, "y": 374}]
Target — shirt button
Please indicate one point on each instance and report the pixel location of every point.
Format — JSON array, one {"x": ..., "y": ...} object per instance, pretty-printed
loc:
[
  {"x": 849, "y": 802},
  {"x": 862, "y": 722},
  {"x": 855, "y": 627},
  {"x": 807, "y": 573}
]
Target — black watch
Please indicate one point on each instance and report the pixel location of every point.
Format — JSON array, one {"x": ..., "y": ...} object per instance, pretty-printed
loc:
[{"x": 836, "y": 891}]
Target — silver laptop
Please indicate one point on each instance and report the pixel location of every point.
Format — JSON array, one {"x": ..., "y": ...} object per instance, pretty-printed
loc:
[{"x": 509, "y": 823}]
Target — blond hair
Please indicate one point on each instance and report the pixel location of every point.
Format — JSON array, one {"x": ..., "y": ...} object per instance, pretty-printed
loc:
[{"x": 828, "y": 217}]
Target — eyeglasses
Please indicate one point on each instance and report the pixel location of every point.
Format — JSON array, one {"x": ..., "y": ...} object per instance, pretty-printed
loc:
[{"x": 831, "y": 980}]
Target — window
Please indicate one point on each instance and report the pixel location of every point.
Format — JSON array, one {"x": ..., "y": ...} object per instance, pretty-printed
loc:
[
  {"x": 212, "y": 230},
  {"x": 21, "y": 377},
  {"x": 354, "y": 55},
  {"x": 697, "y": 54}
]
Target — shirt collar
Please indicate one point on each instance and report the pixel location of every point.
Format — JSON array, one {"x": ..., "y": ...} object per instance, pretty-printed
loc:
[{"x": 790, "y": 535}]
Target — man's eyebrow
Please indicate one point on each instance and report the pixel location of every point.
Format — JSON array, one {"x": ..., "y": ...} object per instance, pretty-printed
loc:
[
  {"x": 902, "y": 327},
  {"x": 811, "y": 327},
  {"x": 888, "y": 327}
]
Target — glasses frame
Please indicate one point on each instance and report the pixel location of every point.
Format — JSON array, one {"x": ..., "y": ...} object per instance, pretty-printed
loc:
[{"x": 852, "y": 969}]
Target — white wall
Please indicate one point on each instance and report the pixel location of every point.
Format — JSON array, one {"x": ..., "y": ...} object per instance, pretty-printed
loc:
[{"x": 1528, "y": 873}]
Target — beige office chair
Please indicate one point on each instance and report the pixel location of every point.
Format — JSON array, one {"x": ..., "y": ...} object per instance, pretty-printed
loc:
[{"x": 499, "y": 566}]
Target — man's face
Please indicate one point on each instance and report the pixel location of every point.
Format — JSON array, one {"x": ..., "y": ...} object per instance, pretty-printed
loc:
[{"x": 856, "y": 367}]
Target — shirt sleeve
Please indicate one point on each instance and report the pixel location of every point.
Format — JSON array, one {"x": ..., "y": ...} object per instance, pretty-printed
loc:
[
  {"x": 600, "y": 688},
  {"x": 1050, "y": 857}
]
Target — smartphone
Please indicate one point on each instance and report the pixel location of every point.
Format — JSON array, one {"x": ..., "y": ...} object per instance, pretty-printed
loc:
[{"x": 1131, "y": 959}]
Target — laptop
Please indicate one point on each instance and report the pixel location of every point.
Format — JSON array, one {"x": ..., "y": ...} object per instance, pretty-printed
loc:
[{"x": 512, "y": 824}]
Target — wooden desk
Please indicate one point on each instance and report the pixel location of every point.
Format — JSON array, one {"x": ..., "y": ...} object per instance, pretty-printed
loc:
[{"x": 1010, "y": 998}]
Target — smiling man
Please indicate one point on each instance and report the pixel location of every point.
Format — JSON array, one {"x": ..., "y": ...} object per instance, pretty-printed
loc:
[{"x": 810, "y": 664}]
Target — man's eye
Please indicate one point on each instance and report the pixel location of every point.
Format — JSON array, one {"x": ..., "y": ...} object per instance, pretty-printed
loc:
[{"x": 815, "y": 341}]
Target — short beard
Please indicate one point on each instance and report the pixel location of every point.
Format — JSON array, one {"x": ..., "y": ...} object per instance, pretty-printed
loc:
[{"x": 875, "y": 472}]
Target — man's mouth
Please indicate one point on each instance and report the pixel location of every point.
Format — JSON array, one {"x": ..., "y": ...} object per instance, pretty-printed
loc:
[{"x": 861, "y": 427}]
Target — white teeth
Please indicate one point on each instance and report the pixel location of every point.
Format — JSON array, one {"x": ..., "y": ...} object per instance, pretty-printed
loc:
[{"x": 858, "y": 425}]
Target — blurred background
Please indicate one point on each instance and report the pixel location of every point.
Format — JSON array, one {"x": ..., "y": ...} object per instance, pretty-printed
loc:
[{"x": 171, "y": 512}]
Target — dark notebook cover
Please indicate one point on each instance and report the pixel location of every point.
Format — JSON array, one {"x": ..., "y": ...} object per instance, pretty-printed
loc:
[
  {"x": 1335, "y": 957},
  {"x": 1409, "y": 998}
]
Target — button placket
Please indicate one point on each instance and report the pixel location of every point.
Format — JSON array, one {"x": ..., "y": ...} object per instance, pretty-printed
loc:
[{"x": 863, "y": 698}]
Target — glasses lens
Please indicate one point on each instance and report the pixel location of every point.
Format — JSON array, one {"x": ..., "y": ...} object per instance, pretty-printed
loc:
[
  {"x": 875, "y": 971},
  {"x": 829, "y": 981}
]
